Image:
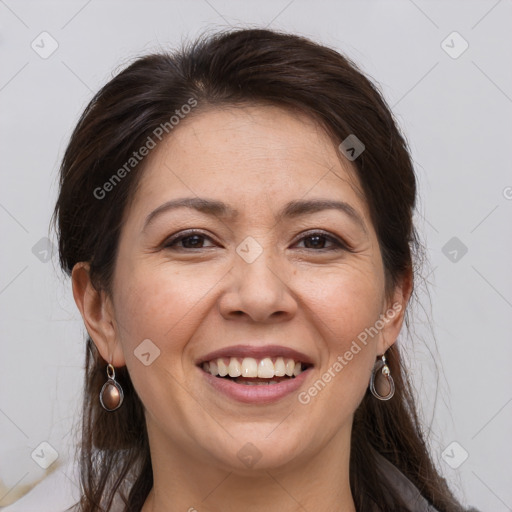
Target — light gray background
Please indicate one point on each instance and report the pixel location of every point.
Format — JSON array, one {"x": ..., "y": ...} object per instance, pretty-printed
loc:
[{"x": 456, "y": 114}]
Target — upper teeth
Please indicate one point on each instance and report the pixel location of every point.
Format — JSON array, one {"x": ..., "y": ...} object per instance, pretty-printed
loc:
[{"x": 250, "y": 367}]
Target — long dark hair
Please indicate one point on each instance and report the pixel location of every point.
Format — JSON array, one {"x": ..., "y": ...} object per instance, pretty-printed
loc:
[{"x": 230, "y": 68}]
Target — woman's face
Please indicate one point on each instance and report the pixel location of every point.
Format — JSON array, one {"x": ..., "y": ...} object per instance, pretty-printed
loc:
[{"x": 280, "y": 275}]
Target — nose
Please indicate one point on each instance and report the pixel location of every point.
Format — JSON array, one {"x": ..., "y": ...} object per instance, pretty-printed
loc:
[{"x": 259, "y": 291}]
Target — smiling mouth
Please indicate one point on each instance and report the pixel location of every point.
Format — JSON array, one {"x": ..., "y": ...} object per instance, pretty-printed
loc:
[{"x": 252, "y": 371}]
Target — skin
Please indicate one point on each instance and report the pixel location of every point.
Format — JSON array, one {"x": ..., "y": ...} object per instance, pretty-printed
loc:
[{"x": 191, "y": 301}]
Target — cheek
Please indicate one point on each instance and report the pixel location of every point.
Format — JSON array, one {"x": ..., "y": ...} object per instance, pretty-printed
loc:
[
  {"x": 345, "y": 301},
  {"x": 160, "y": 304},
  {"x": 345, "y": 306}
]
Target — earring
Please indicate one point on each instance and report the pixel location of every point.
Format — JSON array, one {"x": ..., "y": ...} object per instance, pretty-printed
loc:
[
  {"x": 381, "y": 371},
  {"x": 111, "y": 394}
]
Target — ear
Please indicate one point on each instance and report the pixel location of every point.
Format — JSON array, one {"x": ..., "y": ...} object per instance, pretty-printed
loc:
[
  {"x": 394, "y": 312},
  {"x": 98, "y": 314}
]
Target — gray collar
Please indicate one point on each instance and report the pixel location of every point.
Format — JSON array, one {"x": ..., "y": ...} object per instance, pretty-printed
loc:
[{"x": 403, "y": 486}]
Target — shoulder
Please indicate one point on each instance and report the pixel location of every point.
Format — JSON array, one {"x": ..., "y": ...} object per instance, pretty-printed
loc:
[
  {"x": 407, "y": 490},
  {"x": 403, "y": 486}
]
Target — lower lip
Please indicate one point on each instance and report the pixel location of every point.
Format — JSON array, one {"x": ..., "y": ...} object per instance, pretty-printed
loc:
[{"x": 260, "y": 394}]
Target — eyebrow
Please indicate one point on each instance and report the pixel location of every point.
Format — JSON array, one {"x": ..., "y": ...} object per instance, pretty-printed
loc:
[{"x": 292, "y": 209}]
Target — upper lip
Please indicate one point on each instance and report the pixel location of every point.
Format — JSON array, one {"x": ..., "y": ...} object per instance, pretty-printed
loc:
[{"x": 257, "y": 352}]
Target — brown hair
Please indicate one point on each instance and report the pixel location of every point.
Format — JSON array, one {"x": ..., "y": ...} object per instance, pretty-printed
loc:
[{"x": 233, "y": 68}]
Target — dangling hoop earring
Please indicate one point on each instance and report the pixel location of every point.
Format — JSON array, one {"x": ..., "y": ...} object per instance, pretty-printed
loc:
[
  {"x": 381, "y": 370},
  {"x": 111, "y": 394}
]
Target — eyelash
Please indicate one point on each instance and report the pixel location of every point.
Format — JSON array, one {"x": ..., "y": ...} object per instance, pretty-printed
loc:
[{"x": 339, "y": 245}]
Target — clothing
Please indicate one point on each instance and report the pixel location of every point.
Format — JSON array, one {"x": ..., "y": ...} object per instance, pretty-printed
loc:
[{"x": 407, "y": 490}]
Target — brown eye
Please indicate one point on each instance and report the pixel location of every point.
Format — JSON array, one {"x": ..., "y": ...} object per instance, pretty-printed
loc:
[
  {"x": 191, "y": 240},
  {"x": 317, "y": 240}
]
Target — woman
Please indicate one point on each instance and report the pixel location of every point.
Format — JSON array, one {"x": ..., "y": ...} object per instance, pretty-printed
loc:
[{"x": 237, "y": 221}]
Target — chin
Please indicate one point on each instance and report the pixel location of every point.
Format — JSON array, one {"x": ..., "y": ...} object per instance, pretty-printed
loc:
[{"x": 259, "y": 448}]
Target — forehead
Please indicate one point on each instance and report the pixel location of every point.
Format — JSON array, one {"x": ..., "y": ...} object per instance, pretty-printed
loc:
[{"x": 248, "y": 156}]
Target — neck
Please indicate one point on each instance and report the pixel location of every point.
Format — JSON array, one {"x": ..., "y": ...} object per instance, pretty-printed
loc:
[{"x": 316, "y": 482}]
